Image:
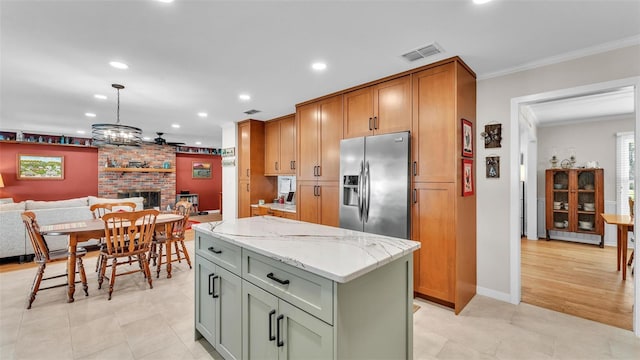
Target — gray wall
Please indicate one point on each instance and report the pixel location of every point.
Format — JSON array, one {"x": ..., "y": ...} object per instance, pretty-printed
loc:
[{"x": 593, "y": 141}]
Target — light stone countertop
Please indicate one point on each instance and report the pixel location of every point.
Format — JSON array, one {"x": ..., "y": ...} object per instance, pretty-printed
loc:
[
  {"x": 337, "y": 254},
  {"x": 276, "y": 206}
]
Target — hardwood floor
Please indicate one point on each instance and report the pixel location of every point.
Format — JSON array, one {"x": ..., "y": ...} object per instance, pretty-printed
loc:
[{"x": 577, "y": 279}]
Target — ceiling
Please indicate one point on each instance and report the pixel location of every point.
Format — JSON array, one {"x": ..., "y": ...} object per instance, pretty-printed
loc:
[{"x": 198, "y": 56}]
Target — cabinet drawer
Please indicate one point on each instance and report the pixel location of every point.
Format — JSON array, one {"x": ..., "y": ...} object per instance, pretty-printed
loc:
[
  {"x": 220, "y": 252},
  {"x": 309, "y": 292}
]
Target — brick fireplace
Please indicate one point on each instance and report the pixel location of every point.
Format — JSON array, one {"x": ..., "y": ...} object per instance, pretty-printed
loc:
[{"x": 112, "y": 182}]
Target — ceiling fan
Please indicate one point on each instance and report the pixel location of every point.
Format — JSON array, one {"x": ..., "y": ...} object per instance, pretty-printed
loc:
[{"x": 162, "y": 141}]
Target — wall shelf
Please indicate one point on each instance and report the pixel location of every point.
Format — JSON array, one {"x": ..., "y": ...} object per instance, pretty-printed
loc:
[
  {"x": 46, "y": 143},
  {"x": 138, "y": 170}
]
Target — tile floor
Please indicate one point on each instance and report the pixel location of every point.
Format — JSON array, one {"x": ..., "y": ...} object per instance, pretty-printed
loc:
[{"x": 139, "y": 323}]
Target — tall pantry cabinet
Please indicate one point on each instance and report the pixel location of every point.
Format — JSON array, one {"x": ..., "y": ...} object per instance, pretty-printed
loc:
[
  {"x": 319, "y": 127},
  {"x": 443, "y": 221},
  {"x": 252, "y": 184}
]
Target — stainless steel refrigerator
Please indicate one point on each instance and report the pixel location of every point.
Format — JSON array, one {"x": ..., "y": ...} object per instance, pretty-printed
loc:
[{"x": 374, "y": 174}]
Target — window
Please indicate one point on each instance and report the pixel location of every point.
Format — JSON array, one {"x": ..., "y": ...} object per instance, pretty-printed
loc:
[{"x": 625, "y": 168}]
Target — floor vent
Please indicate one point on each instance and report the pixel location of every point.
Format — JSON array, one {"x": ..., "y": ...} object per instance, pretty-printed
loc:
[
  {"x": 423, "y": 52},
  {"x": 252, "y": 111}
]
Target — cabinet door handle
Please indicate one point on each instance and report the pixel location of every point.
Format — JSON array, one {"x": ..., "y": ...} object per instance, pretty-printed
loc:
[
  {"x": 415, "y": 168},
  {"x": 319, "y": 170},
  {"x": 279, "y": 342},
  {"x": 370, "y": 124},
  {"x": 319, "y": 192},
  {"x": 375, "y": 122},
  {"x": 248, "y": 187},
  {"x": 276, "y": 166},
  {"x": 415, "y": 196},
  {"x": 213, "y": 290},
  {"x": 213, "y": 250},
  {"x": 272, "y": 277},
  {"x": 210, "y": 289},
  {"x": 247, "y": 172},
  {"x": 271, "y": 313}
]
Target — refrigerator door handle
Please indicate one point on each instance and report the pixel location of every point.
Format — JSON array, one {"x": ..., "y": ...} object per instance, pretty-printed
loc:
[
  {"x": 360, "y": 189},
  {"x": 367, "y": 184}
]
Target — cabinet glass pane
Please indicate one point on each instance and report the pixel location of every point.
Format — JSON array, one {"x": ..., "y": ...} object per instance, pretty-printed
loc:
[
  {"x": 586, "y": 180},
  {"x": 561, "y": 180}
]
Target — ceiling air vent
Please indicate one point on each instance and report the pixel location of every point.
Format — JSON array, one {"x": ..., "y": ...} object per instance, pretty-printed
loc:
[
  {"x": 252, "y": 111},
  {"x": 423, "y": 52}
]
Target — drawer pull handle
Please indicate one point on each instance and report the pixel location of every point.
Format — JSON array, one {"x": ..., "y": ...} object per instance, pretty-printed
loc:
[
  {"x": 210, "y": 290},
  {"x": 214, "y": 250},
  {"x": 213, "y": 289},
  {"x": 280, "y": 343},
  {"x": 271, "y": 337},
  {"x": 272, "y": 277}
]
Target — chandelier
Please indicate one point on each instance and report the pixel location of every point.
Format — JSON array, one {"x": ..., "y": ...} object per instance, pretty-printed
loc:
[{"x": 116, "y": 134}]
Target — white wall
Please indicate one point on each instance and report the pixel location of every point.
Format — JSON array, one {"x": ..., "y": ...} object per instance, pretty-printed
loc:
[
  {"x": 494, "y": 104},
  {"x": 229, "y": 175},
  {"x": 593, "y": 141}
]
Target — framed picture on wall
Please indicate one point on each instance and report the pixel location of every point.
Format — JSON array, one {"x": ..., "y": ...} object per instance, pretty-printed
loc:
[
  {"x": 38, "y": 167},
  {"x": 467, "y": 177},
  {"x": 467, "y": 138},
  {"x": 201, "y": 170},
  {"x": 493, "y": 167}
]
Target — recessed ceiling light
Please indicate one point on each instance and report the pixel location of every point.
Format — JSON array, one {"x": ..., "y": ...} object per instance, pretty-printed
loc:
[
  {"x": 244, "y": 97},
  {"x": 319, "y": 66},
  {"x": 100, "y": 96},
  {"x": 119, "y": 65},
  {"x": 176, "y": 126},
  {"x": 202, "y": 114},
  {"x": 146, "y": 138},
  {"x": 165, "y": 1},
  {"x": 198, "y": 143},
  {"x": 80, "y": 131},
  {"x": 480, "y": 1},
  {"x": 90, "y": 114}
]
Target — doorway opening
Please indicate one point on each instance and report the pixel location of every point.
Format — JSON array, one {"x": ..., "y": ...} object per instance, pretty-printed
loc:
[{"x": 526, "y": 151}]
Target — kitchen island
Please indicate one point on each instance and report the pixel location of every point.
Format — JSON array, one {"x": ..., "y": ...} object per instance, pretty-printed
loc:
[{"x": 269, "y": 287}]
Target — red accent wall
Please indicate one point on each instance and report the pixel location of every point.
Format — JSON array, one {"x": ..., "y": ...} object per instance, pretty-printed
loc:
[
  {"x": 208, "y": 190},
  {"x": 80, "y": 172}
]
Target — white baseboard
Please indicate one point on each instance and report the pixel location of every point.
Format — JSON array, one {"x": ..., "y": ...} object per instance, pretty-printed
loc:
[{"x": 493, "y": 294}]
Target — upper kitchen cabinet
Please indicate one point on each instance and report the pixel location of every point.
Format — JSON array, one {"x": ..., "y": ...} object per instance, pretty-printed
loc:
[
  {"x": 442, "y": 96},
  {"x": 252, "y": 184},
  {"x": 280, "y": 146},
  {"x": 378, "y": 109},
  {"x": 319, "y": 130}
]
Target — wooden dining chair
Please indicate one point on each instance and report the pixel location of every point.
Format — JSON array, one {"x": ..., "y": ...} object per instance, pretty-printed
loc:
[
  {"x": 163, "y": 240},
  {"x": 127, "y": 234},
  {"x": 100, "y": 209},
  {"x": 44, "y": 256},
  {"x": 632, "y": 236}
]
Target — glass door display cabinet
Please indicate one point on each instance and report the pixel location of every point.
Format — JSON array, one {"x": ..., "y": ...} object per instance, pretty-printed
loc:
[{"x": 574, "y": 201}]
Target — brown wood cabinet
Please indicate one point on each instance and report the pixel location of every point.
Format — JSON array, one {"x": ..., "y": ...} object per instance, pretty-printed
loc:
[
  {"x": 318, "y": 202},
  {"x": 574, "y": 200},
  {"x": 442, "y": 219},
  {"x": 252, "y": 184},
  {"x": 319, "y": 129},
  {"x": 378, "y": 109},
  {"x": 280, "y": 146}
]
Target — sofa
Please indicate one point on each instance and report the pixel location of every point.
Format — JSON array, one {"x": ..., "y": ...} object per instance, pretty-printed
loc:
[{"x": 14, "y": 240}]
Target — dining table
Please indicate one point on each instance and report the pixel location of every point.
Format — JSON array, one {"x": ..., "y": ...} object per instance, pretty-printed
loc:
[
  {"x": 624, "y": 223},
  {"x": 85, "y": 230}
]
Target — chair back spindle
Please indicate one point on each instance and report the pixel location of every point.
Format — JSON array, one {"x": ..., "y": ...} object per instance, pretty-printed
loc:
[
  {"x": 129, "y": 232},
  {"x": 40, "y": 248}
]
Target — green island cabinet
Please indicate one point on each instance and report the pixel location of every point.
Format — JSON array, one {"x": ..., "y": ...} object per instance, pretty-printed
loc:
[{"x": 252, "y": 306}]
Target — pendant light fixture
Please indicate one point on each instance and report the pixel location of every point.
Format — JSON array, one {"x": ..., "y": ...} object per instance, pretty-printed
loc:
[{"x": 116, "y": 134}]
